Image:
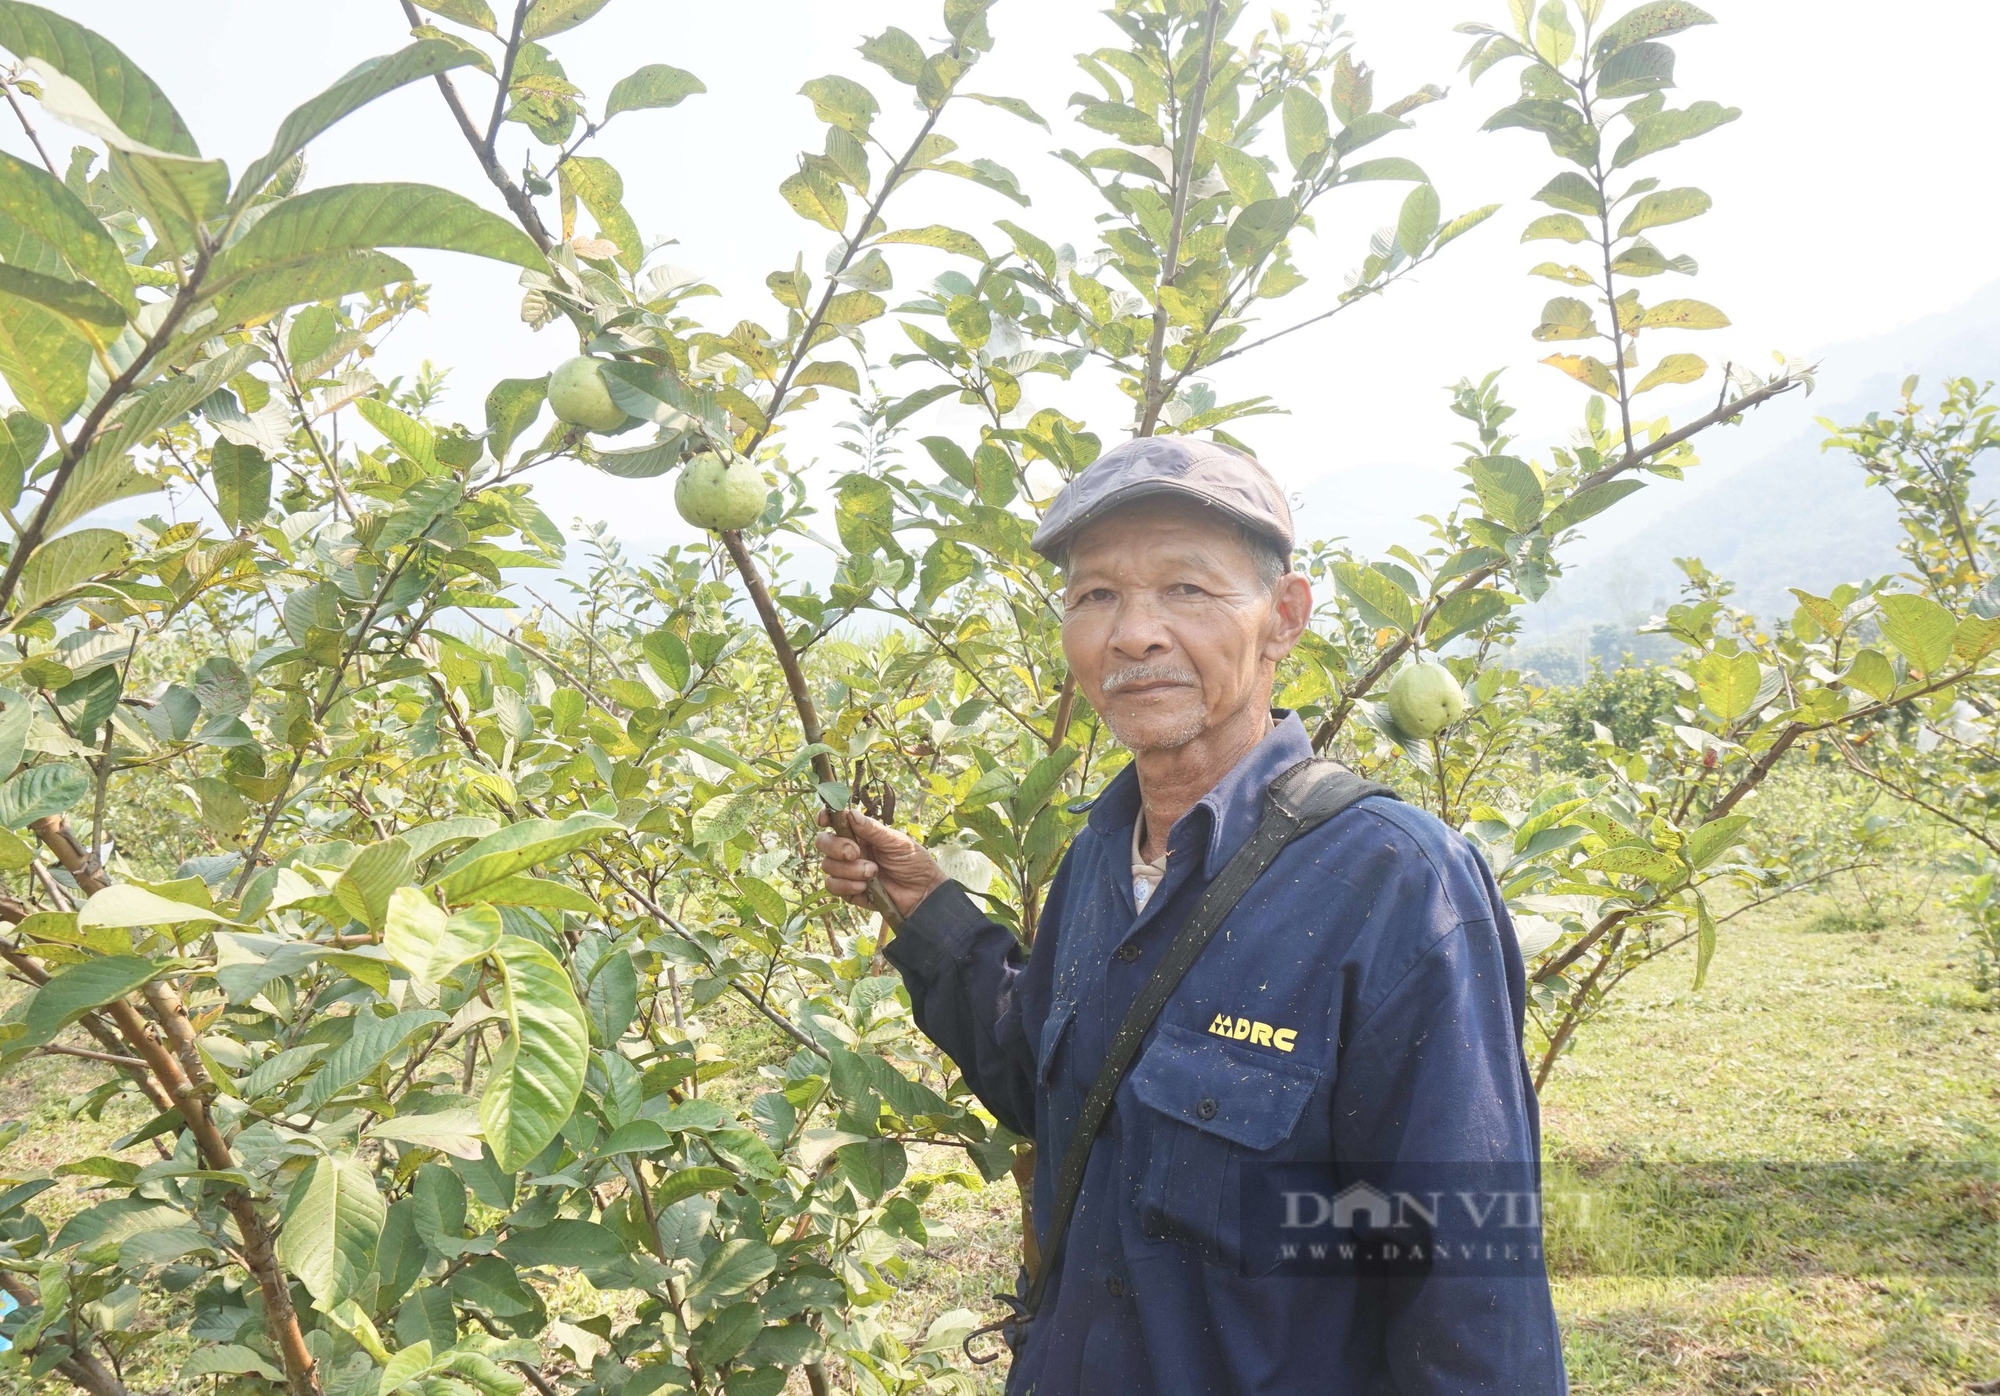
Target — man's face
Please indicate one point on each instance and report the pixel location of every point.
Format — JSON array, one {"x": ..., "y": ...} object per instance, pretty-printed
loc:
[{"x": 1167, "y": 625}]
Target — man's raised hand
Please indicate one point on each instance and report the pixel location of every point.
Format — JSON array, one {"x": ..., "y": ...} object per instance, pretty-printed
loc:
[{"x": 905, "y": 869}]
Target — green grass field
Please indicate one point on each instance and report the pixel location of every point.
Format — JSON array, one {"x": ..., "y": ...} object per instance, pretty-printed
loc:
[{"x": 1821, "y": 1038}]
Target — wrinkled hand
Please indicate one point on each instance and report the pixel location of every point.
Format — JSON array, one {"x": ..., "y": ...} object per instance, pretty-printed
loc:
[{"x": 903, "y": 866}]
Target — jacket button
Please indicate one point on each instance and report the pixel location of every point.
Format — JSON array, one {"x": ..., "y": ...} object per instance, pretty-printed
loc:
[
  {"x": 1115, "y": 1287},
  {"x": 1205, "y": 1107},
  {"x": 1128, "y": 952}
]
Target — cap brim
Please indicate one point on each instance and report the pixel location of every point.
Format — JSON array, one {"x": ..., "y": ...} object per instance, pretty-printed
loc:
[{"x": 1054, "y": 545}]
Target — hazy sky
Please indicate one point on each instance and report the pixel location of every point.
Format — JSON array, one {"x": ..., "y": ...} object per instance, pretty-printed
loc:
[{"x": 1854, "y": 195}]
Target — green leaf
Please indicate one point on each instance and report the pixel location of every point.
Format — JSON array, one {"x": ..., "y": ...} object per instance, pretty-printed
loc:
[
  {"x": 1674, "y": 368},
  {"x": 1258, "y": 229},
  {"x": 897, "y": 54},
  {"x": 538, "y": 1072},
  {"x": 1871, "y": 672},
  {"x": 76, "y": 301},
  {"x": 1418, "y": 220},
  {"x": 136, "y": 106},
  {"x": 568, "y": 1243},
  {"x": 939, "y": 236},
  {"x": 40, "y": 791},
  {"x": 1566, "y": 227},
  {"x": 1573, "y": 193},
  {"x": 1680, "y": 315},
  {"x": 44, "y": 360},
  {"x": 16, "y": 715},
  {"x": 1728, "y": 684},
  {"x": 1666, "y": 206},
  {"x": 1509, "y": 491},
  {"x": 176, "y": 195},
  {"x": 376, "y": 871},
  {"x": 1973, "y": 640},
  {"x": 1711, "y": 840},
  {"x": 1632, "y": 860},
  {"x": 1306, "y": 132},
  {"x": 723, "y": 817},
  {"x": 655, "y": 85},
  {"x": 1463, "y": 612},
  {"x": 1013, "y": 106},
  {"x": 350, "y": 218},
  {"x": 1381, "y": 602},
  {"x": 1041, "y": 782},
  {"x": 1642, "y": 68},
  {"x": 412, "y": 439},
  {"x": 1704, "y": 950},
  {"x": 546, "y": 17},
  {"x": 1388, "y": 167},
  {"x": 816, "y": 196},
  {"x": 67, "y": 562},
  {"x": 40, "y": 207},
  {"x": 1920, "y": 629},
  {"x": 241, "y": 477},
  {"x": 310, "y": 277},
  {"x": 72, "y": 992},
  {"x": 519, "y": 848},
  {"x": 370, "y": 1043},
  {"x": 523, "y": 890},
  {"x": 1650, "y": 21},
  {"x": 1555, "y": 40},
  {"x": 1126, "y": 123},
  {"x": 733, "y": 1268},
  {"x": 474, "y": 14},
  {"x": 602, "y": 190},
  {"x": 511, "y": 408},
  {"x": 842, "y": 102},
  {"x": 987, "y": 175},
  {"x": 667, "y": 656},
  {"x": 854, "y": 308},
  {"x": 829, "y": 373},
  {"x": 1591, "y": 372},
  {"x": 1566, "y": 317},
  {"x": 1589, "y": 503},
  {"x": 355, "y": 89},
  {"x": 124, "y": 906},
  {"x": 332, "y": 1221},
  {"x": 1666, "y": 129}
]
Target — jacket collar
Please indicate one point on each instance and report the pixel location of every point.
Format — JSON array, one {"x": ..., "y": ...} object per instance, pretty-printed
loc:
[{"x": 1222, "y": 821}]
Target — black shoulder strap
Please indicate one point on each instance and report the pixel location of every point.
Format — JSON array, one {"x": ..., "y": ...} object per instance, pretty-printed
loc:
[{"x": 1300, "y": 799}]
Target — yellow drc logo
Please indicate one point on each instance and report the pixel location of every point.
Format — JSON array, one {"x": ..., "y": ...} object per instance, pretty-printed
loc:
[{"x": 1257, "y": 1034}]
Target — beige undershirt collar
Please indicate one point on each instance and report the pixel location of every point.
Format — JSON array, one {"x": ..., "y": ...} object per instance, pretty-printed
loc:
[{"x": 1145, "y": 876}]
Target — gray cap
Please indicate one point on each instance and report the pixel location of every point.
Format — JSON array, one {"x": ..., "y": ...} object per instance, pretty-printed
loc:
[{"x": 1151, "y": 466}]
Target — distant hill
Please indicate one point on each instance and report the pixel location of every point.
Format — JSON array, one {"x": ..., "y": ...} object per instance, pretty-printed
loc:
[{"x": 1767, "y": 510}]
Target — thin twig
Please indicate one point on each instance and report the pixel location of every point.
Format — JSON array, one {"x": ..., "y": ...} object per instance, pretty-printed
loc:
[{"x": 28, "y": 126}]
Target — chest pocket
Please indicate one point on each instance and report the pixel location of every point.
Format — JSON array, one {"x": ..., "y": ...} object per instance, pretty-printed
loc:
[
  {"x": 1208, "y": 1106},
  {"x": 1054, "y": 1029}
]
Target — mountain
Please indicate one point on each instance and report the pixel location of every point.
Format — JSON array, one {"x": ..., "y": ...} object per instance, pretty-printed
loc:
[{"x": 1767, "y": 508}]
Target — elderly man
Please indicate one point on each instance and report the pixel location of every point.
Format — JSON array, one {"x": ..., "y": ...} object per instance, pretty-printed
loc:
[{"x": 1360, "y": 1005}]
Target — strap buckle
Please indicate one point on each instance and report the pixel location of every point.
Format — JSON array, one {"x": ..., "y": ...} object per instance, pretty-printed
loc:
[{"x": 1012, "y": 1328}]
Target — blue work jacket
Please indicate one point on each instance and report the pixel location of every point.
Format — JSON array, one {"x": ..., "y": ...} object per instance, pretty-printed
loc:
[{"x": 1377, "y": 959}]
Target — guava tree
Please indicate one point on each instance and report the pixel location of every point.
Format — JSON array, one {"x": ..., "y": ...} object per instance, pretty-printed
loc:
[{"x": 480, "y": 948}]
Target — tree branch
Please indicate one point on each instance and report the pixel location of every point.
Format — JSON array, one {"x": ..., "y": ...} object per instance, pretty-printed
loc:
[
  {"x": 1156, "y": 346},
  {"x": 517, "y": 198},
  {"x": 1387, "y": 660}
]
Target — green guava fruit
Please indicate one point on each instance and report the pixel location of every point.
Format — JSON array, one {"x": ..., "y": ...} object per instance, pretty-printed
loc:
[
  {"x": 577, "y": 394},
  {"x": 1425, "y": 699},
  {"x": 718, "y": 495}
]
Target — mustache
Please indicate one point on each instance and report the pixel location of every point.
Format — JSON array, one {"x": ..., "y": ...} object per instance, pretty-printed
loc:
[{"x": 1158, "y": 672}]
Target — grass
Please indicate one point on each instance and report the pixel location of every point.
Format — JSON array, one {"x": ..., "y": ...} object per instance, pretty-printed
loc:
[{"x": 1839, "y": 1041}]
